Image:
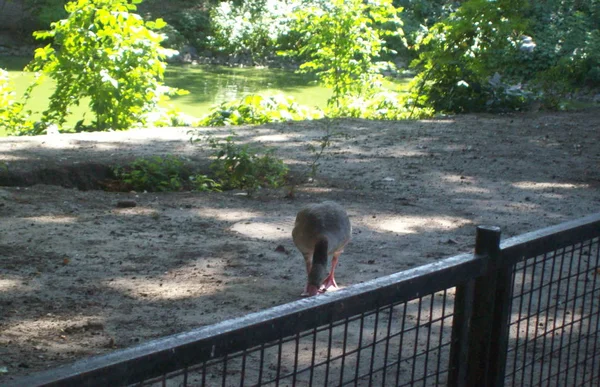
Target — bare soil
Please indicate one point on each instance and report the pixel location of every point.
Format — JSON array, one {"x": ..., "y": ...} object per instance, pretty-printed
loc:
[{"x": 81, "y": 276}]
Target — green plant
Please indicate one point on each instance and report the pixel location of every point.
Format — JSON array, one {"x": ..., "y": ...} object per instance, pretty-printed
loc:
[
  {"x": 162, "y": 174},
  {"x": 462, "y": 53},
  {"x": 250, "y": 27},
  {"x": 170, "y": 116},
  {"x": 243, "y": 167},
  {"x": 46, "y": 11},
  {"x": 203, "y": 183},
  {"x": 105, "y": 52},
  {"x": 343, "y": 41},
  {"x": 14, "y": 118},
  {"x": 379, "y": 105},
  {"x": 255, "y": 109}
]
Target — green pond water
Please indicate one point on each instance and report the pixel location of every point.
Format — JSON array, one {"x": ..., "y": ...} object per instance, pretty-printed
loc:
[{"x": 208, "y": 85}]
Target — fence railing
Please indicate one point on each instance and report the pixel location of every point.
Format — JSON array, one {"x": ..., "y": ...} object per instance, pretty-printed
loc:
[{"x": 522, "y": 312}]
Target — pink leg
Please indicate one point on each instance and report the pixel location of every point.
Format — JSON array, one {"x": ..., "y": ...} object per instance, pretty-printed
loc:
[
  {"x": 330, "y": 279},
  {"x": 307, "y": 260}
]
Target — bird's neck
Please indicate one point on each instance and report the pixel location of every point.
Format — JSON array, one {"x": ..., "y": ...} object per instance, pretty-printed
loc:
[{"x": 318, "y": 270}]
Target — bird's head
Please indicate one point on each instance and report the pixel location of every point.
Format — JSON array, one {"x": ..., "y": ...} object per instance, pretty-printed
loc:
[{"x": 317, "y": 275}]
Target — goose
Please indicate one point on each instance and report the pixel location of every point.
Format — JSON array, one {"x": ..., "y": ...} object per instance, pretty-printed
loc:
[{"x": 321, "y": 230}]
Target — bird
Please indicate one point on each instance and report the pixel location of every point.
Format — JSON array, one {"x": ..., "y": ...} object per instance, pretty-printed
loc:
[{"x": 321, "y": 230}]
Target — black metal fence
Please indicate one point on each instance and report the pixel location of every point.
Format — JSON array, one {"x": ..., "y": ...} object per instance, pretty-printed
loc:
[{"x": 523, "y": 312}]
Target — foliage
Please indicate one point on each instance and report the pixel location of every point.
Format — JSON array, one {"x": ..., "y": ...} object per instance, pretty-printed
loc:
[
  {"x": 253, "y": 27},
  {"x": 461, "y": 54},
  {"x": 381, "y": 105},
  {"x": 255, "y": 109},
  {"x": 14, "y": 118},
  {"x": 243, "y": 167},
  {"x": 343, "y": 40},
  {"x": 567, "y": 44},
  {"x": 192, "y": 24},
  {"x": 46, "y": 11},
  {"x": 109, "y": 54},
  {"x": 418, "y": 17},
  {"x": 163, "y": 174},
  {"x": 170, "y": 116}
]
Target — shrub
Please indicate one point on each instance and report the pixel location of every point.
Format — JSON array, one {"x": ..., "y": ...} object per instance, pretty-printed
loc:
[
  {"x": 250, "y": 27},
  {"x": 382, "y": 105},
  {"x": 343, "y": 41},
  {"x": 255, "y": 109},
  {"x": 14, "y": 118},
  {"x": 109, "y": 54},
  {"x": 243, "y": 167},
  {"x": 170, "y": 116},
  {"x": 163, "y": 174},
  {"x": 462, "y": 53}
]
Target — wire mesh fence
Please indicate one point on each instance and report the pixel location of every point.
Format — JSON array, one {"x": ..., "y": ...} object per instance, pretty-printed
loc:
[
  {"x": 554, "y": 325},
  {"x": 398, "y": 344},
  {"x": 525, "y": 312}
]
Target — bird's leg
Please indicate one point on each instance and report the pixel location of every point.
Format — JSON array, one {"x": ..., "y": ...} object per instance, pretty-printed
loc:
[
  {"x": 330, "y": 279},
  {"x": 308, "y": 261}
]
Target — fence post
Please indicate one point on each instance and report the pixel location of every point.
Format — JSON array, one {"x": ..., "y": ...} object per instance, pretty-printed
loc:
[
  {"x": 463, "y": 307},
  {"x": 501, "y": 322},
  {"x": 480, "y": 330},
  {"x": 488, "y": 330}
]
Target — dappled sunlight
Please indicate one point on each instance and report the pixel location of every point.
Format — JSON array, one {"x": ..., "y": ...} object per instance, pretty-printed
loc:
[
  {"x": 49, "y": 219},
  {"x": 395, "y": 152},
  {"x": 226, "y": 214},
  {"x": 388, "y": 151},
  {"x": 52, "y": 326},
  {"x": 272, "y": 138},
  {"x": 417, "y": 224},
  {"x": 7, "y": 157},
  {"x": 465, "y": 184},
  {"x": 146, "y": 289},
  {"x": 456, "y": 178},
  {"x": 472, "y": 190},
  {"x": 532, "y": 185},
  {"x": 265, "y": 228},
  {"x": 7, "y": 284},
  {"x": 137, "y": 211},
  {"x": 438, "y": 122}
]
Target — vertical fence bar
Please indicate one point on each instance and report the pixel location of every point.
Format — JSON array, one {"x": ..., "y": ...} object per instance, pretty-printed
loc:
[
  {"x": 481, "y": 311},
  {"x": 501, "y": 320},
  {"x": 463, "y": 303},
  {"x": 479, "y": 367}
]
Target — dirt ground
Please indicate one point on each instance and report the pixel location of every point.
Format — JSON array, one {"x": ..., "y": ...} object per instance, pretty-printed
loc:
[{"x": 80, "y": 276}]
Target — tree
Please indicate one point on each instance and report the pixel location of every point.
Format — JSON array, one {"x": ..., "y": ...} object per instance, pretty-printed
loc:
[
  {"x": 461, "y": 54},
  {"x": 343, "y": 40},
  {"x": 104, "y": 51}
]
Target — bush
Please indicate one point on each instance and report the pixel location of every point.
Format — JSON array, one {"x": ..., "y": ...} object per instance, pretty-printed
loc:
[
  {"x": 109, "y": 54},
  {"x": 461, "y": 55},
  {"x": 567, "y": 49},
  {"x": 159, "y": 174},
  {"x": 243, "y": 167},
  {"x": 255, "y": 109},
  {"x": 14, "y": 118},
  {"x": 46, "y": 11},
  {"x": 383, "y": 105},
  {"x": 250, "y": 27},
  {"x": 343, "y": 41},
  {"x": 418, "y": 17}
]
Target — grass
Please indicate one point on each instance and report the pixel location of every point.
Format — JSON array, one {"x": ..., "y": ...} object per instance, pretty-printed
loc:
[{"x": 208, "y": 85}]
